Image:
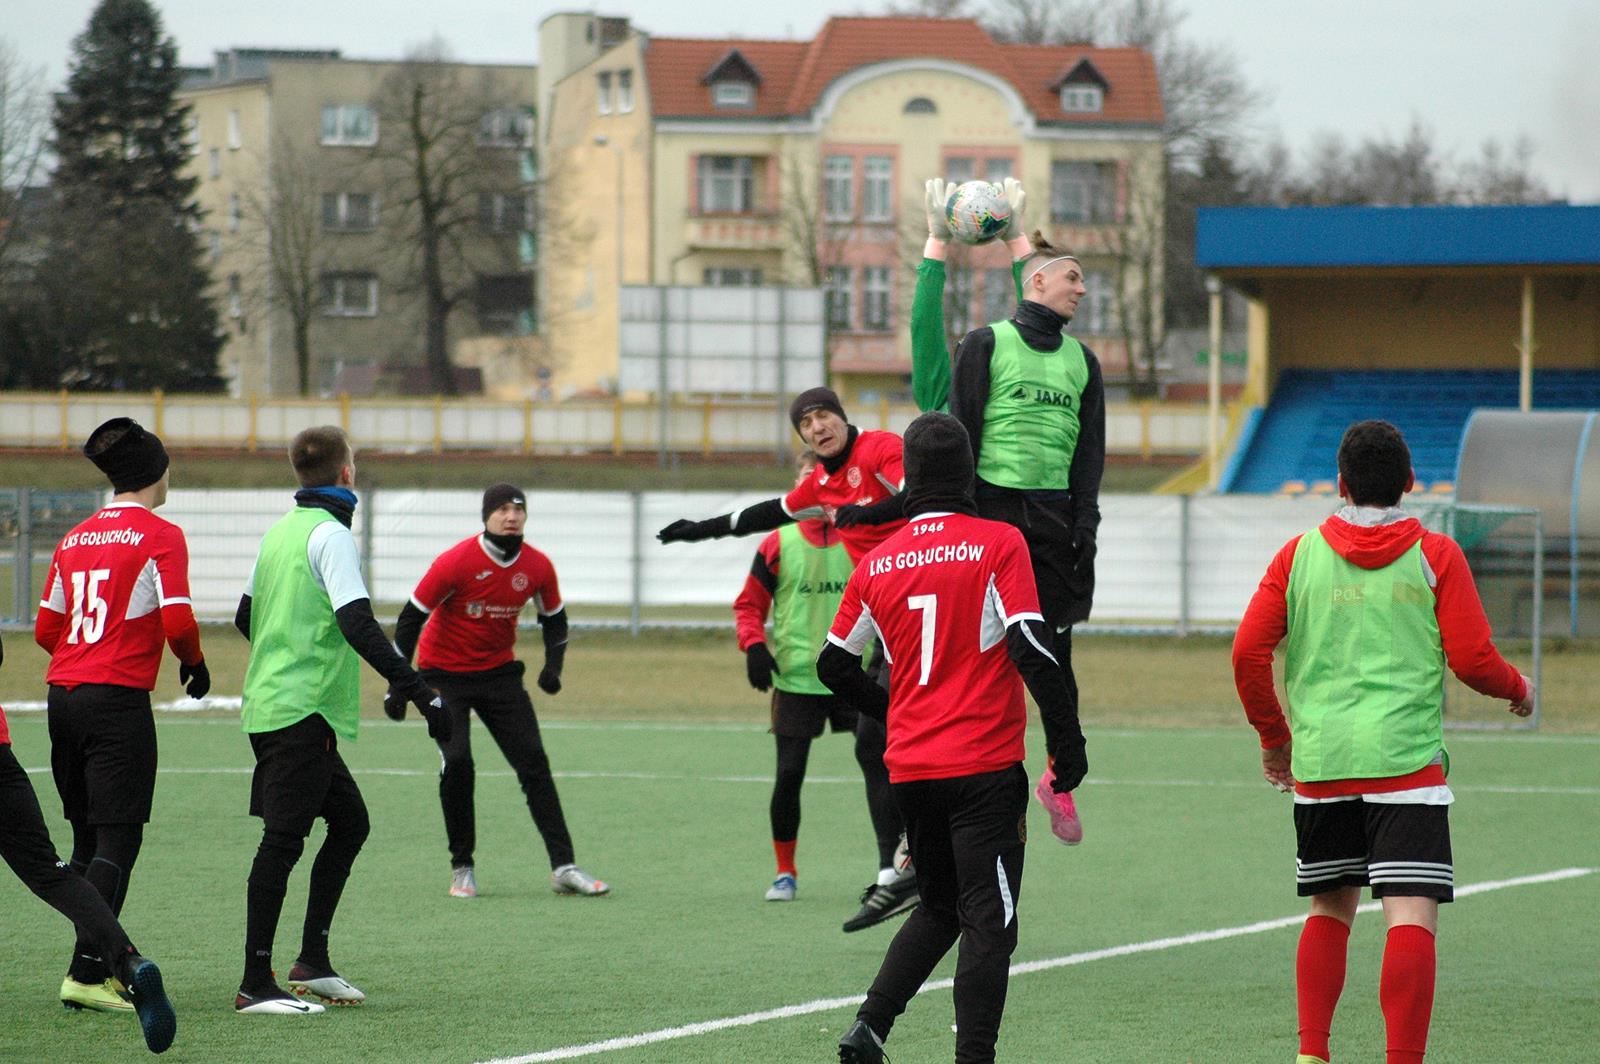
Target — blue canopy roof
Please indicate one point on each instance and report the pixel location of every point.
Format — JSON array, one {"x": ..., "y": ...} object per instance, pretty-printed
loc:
[{"x": 1245, "y": 237}]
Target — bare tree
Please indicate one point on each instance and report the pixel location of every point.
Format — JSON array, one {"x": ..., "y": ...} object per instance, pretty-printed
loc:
[
  {"x": 1137, "y": 248},
  {"x": 442, "y": 180},
  {"x": 24, "y": 119},
  {"x": 1045, "y": 21}
]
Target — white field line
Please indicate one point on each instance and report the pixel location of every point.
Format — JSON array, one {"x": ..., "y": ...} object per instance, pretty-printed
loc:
[
  {"x": 667, "y": 1034},
  {"x": 239, "y": 770}
]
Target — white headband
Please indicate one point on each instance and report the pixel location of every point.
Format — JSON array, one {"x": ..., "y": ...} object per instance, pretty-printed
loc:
[{"x": 1049, "y": 262}]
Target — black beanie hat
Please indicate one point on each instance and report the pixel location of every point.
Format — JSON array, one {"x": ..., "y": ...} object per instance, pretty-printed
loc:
[
  {"x": 497, "y": 495},
  {"x": 814, "y": 399},
  {"x": 938, "y": 464},
  {"x": 130, "y": 457}
]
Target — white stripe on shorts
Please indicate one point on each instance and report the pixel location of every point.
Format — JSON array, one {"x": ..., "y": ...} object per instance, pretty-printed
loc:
[{"x": 1005, "y": 892}]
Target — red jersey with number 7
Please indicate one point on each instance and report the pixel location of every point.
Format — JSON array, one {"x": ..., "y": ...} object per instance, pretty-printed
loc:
[
  {"x": 118, "y": 588},
  {"x": 941, "y": 593}
]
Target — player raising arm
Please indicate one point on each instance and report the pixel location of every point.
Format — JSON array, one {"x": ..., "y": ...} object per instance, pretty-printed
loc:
[
  {"x": 952, "y": 596},
  {"x": 118, "y": 589},
  {"x": 1374, "y": 608}
]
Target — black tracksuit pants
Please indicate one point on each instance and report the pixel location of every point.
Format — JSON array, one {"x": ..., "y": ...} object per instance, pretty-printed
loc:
[
  {"x": 25, "y": 845},
  {"x": 966, "y": 836},
  {"x": 502, "y": 703}
]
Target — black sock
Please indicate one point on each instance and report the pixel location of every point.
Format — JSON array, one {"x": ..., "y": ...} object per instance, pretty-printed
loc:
[
  {"x": 269, "y": 880},
  {"x": 329, "y": 873}
]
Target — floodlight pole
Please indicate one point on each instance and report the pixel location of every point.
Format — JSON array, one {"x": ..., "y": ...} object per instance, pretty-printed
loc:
[
  {"x": 1214, "y": 381},
  {"x": 1525, "y": 362}
]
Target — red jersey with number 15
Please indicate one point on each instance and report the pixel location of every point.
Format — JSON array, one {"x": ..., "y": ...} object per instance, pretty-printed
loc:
[
  {"x": 875, "y": 471},
  {"x": 474, "y": 600},
  {"x": 118, "y": 588},
  {"x": 941, "y": 593}
]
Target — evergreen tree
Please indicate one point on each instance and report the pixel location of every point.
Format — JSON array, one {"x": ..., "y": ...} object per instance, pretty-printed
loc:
[{"x": 125, "y": 281}]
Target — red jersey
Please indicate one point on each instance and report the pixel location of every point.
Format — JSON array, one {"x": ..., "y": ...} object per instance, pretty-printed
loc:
[
  {"x": 118, "y": 588},
  {"x": 875, "y": 470},
  {"x": 940, "y": 593},
  {"x": 473, "y": 600},
  {"x": 5, "y": 730}
]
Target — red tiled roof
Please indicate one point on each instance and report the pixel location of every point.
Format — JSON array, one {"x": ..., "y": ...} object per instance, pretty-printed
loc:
[{"x": 796, "y": 73}]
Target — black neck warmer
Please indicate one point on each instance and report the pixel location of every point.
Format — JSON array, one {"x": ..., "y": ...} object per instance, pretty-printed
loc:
[
  {"x": 340, "y": 502},
  {"x": 505, "y": 547},
  {"x": 939, "y": 467},
  {"x": 1039, "y": 325},
  {"x": 836, "y": 463}
]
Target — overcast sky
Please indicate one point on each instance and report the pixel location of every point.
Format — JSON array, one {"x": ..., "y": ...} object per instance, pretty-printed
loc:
[{"x": 1469, "y": 69}]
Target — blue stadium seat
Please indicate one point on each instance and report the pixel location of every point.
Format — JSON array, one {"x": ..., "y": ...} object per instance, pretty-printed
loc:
[{"x": 1300, "y": 429}]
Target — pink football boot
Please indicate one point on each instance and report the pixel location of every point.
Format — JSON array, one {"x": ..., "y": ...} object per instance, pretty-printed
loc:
[{"x": 1064, "y": 822}]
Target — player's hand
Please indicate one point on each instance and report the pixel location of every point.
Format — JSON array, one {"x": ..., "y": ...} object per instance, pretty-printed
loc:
[
  {"x": 937, "y": 191},
  {"x": 1275, "y": 767},
  {"x": 394, "y": 704},
  {"x": 848, "y": 515},
  {"x": 1524, "y": 706},
  {"x": 686, "y": 531},
  {"x": 549, "y": 680},
  {"x": 196, "y": 678},
  {"x": 1083, "y": 542},
  {"x": 433, "y": 711},
  {"x": 1018, "y": 199},
  {"x": 759, "y": 666},
  {"x": 1071, "y": 764}
]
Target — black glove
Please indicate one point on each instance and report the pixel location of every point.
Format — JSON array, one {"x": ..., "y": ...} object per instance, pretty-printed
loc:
[
  {"x": 432, "y": 708},
  {"x": 848, "y": 515},
  {"x": 549, "y": 680},
  {"x": 1083, "y": 543},
  {"x": 686, "y": 531},
  {"x": 394, "y": 704},
  {"x": 1071, "y": 763},
  {"x": 196, "y": 678},
  {"x": 759, "y": 666}
]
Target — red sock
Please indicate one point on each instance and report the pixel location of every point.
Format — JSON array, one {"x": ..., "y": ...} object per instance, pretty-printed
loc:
[
  {"x": 785, "y": 852},
  {"x": 1406, "y": 991},
  {"x": 1319, "y": 979}
]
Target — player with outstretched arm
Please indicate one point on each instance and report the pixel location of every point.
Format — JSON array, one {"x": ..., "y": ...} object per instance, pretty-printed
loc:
[
  {"x": 952, "y": 597},
  {"x": 1373, "y": 608}
]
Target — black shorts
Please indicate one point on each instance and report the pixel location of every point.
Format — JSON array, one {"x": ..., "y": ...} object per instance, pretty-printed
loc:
[
  {"x": 103, "y": 752},
  {"x": 1401, "y": 850},
  {"x": 299, "y": 773},
  {"x": 797, "y": 716}
]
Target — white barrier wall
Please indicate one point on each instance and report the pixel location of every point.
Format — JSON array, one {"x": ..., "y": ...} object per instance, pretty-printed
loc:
[{"x": 604, "y": 548}]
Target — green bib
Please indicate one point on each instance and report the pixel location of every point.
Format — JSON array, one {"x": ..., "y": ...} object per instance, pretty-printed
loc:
[
  {"x": 1363, "y": 667},
  {"x": 299, "y": 661},
  {"x": 1030, "y": 423},
  {"x": 810, "y": 585}
]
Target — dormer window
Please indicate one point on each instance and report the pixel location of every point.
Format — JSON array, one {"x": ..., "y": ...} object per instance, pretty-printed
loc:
[
  {"x": 1082, "y": 99},
  {"x": 733, "y": 94},
  {"x": 733, "y": 81}
]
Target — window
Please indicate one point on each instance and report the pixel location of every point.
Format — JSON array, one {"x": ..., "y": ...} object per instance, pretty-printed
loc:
[
  {"x": 1082, "y": 99},
  {"x": 350, "y": 295},
  {"x": 877, "y": 194},
  {"x": 624, "y": 91},
  {"x": 349, "y": 124},
  {"x": 999, "y": 295},
  {"x": 234, "y": 140},
  {"x": 841, "y": 283},
  {"x": 1083, "y": 192},
  {"x": 732, "y": 276},
  {"x": 727, "y": 184},
  {"x": 502, "y": 301},
  {"x": 504, "y": 212},
  {"x": 920, "y": 105},
  {"x": 506, "y": 127},
  {"x": 349, "y": 212},
  {"x": 996, "y": 170},
  {"x": 733, "y": 94},
  {"x": 235, "y": 212},
  {"x": 214, "y": 244},
  {"x": 235, "y": 296},
  {"x": 875, "y": 297},
  {"x": 1097, "y": 311},
  {"x": 214, "y": 163},
  {"x": 604, "y": 79},
  {"x": 839, "y": 188},
  {"x": 958, "y": 292},
  {"x": 960, "y": 169}
]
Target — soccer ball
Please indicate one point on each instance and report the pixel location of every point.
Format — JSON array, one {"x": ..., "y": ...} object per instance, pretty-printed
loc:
[{"x": 977, "y": 212}]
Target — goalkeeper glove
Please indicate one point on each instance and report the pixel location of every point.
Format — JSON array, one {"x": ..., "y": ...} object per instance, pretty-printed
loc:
[
  {"x": 196, "y": 678},
  {"x": 759, "y": 666}
]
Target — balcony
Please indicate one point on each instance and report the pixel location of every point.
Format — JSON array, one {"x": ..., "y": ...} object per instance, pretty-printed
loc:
[{"x": 755, "y": 231}]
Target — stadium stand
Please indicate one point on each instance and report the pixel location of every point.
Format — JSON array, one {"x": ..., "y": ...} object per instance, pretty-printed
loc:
[{"x": 1294, "y": 440}]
